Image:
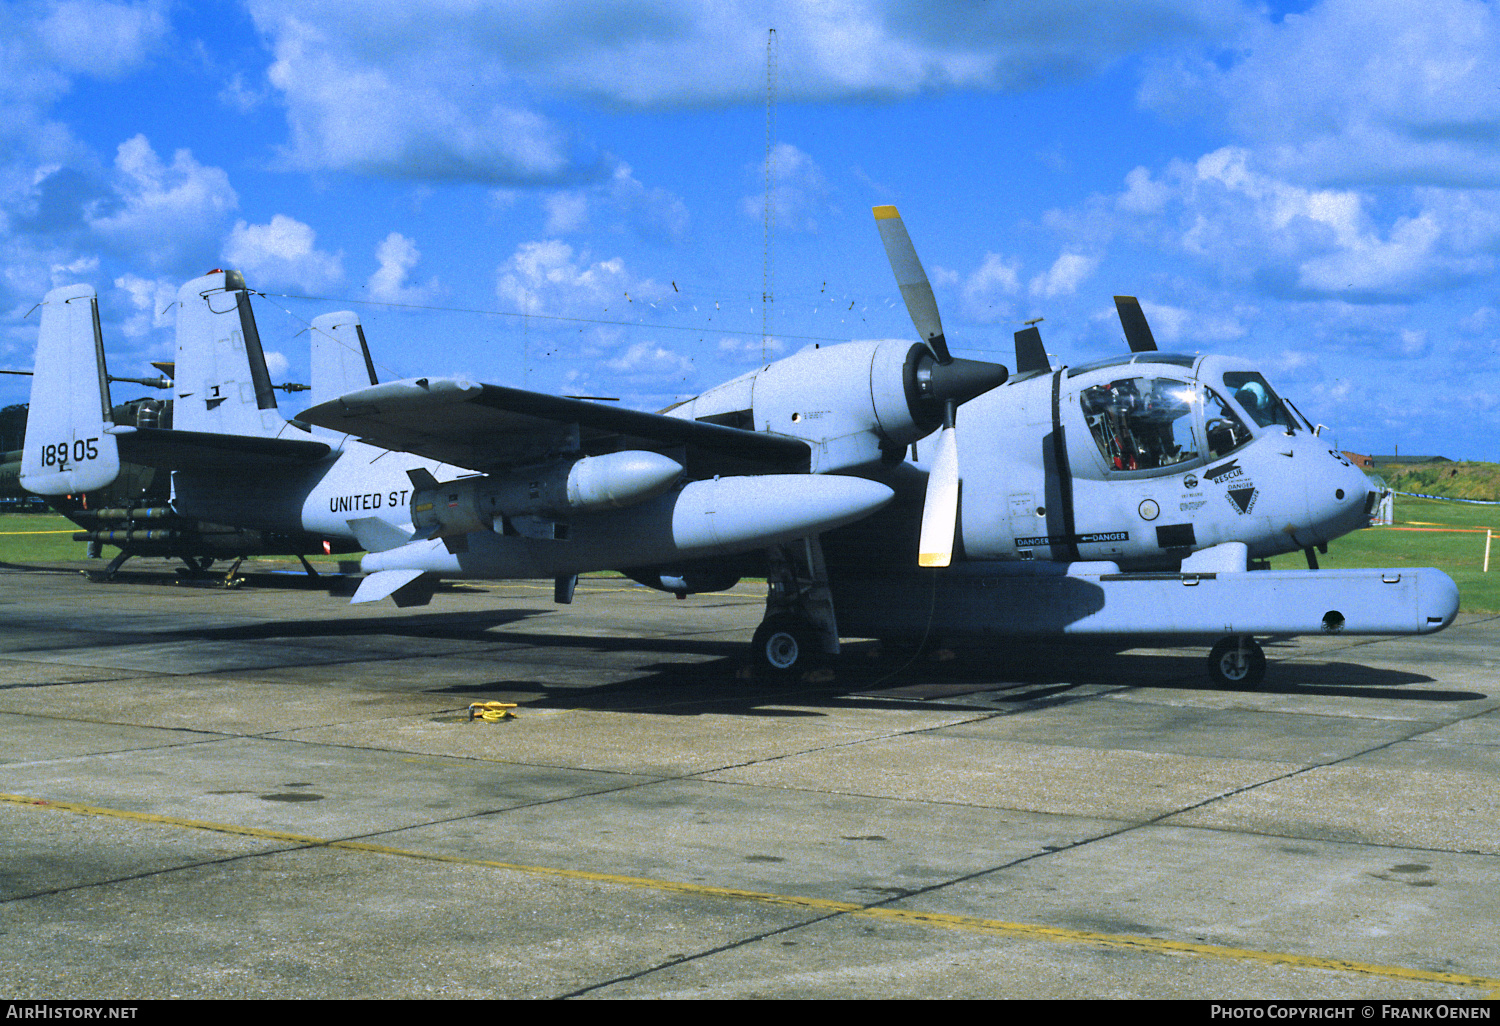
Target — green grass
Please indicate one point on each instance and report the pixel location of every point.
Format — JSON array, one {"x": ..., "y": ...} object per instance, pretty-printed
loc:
[
  {"x": 42, "y": 538},
  {"x": 1467, "y": 480},
  {"x": 48, "y": 537},
  {"x": 38, "y": 538},
  {"x": 1459, "y": 555}
]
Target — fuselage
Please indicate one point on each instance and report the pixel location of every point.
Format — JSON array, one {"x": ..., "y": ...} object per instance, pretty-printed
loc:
[
  {"x": 1140, "y": 460},
  {"x": 1143, "y": 460}
]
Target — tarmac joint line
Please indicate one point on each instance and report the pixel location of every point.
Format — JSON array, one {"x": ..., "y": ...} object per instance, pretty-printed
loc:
[{"x": 934, "y": 920}]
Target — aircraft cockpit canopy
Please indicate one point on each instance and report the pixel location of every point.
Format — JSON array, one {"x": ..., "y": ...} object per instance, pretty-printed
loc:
[
  {"x": 1151, "y": 423},
  {"x": 1256, "y": 397}
]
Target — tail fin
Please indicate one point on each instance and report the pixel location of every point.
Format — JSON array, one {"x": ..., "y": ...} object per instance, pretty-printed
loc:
[
  {"x": 222, "y": 385},
  {"x": 340, "y": 358},
  {"x": 69, "y": 447}
]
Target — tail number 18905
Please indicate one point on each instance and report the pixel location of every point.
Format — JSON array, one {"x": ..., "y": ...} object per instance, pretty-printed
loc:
[{"x": 82, "y": 450}]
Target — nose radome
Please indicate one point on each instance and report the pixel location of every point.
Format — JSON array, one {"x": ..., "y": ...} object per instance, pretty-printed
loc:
[{"x": 1339, "y": 498}]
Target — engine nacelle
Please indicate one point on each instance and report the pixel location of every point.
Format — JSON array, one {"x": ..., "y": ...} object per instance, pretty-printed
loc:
[
  {"x": 556, "y": 490},
  {"x": 855, "y": 402}
]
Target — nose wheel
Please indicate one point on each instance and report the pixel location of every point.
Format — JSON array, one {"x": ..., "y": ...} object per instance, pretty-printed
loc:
[{"x": 1237, "y": 662}]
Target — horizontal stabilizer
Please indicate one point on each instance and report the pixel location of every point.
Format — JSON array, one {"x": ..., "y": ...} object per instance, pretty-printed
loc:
[
  {"x": 208, "y": 451},
  {"x": 384, "y": 583},
  {"x": 376, "y": 535}
]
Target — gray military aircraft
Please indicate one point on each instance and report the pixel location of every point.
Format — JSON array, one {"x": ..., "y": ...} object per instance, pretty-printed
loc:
[
  {"x": 552, "y": 470},
  {"x": 1123, "y": 499},
  {"x": 134, "y": 512}
]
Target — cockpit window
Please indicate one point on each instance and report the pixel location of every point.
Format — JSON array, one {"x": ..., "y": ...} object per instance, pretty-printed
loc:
[
  {"x": 1255, "y": 396},
  {"x": 1222, "y": 427},
  {"x": 1142, "y": 423}
]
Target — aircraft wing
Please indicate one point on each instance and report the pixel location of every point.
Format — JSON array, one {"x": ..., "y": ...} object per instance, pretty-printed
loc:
[{"x": 490, "y": 427}]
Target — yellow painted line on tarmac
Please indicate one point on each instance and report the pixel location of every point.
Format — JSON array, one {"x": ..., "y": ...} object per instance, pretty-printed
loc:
[{"x": 934, "y": 920}]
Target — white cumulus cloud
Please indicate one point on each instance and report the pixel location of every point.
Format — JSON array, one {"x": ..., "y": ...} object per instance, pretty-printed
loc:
[
  {"x": 549, "y": 278},
  {"x": 282, "y": 253},
  {"x": 1356, "y": 91},
  {"x": 1064, "y": 276},
  {"x": 438, "y": 89},
  {"x": 988, "y": 290},
  {"x": 163, "y": 214},
  {"x": 398, "y": 255}
]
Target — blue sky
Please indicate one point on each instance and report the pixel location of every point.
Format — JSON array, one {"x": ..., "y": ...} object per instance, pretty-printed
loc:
[{"x": 1314, "y": 186}]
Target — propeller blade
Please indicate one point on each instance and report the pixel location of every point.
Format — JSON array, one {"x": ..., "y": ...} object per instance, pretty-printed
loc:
[
  {"x": 916, "y": 290},
  {"x": 1030, "y": 354},
  {"x": 1133, "y": 320},
  {"x": 940, "y": 510}
]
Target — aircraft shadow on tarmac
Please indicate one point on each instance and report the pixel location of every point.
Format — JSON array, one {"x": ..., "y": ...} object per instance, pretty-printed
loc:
[
  {"x": 1015, "y": 677},
  {"x": 982, "y": 680}
]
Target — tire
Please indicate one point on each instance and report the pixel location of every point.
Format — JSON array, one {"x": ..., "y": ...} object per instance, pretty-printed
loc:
[
  {"x": 1237, "y": 662},
  {"x": 782, "y": 648}
]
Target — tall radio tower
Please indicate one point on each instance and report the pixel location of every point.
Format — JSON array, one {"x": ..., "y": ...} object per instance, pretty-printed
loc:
[{"x": 767, "y": 287}]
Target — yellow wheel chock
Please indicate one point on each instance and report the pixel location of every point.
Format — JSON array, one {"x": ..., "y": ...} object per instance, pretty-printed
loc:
[{"x": 491, "y": 712}]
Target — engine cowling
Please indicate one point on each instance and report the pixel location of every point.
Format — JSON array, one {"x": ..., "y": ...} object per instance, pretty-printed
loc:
[{"x": 856, "y": 402}]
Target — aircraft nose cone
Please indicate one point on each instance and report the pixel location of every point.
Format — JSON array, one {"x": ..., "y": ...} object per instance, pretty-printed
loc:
[{"x": 1340, "y": 499}]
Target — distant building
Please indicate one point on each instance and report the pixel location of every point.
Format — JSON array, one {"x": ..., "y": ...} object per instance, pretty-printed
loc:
[
  {"x": 1362, "y": 462},
  {"x": 1405, "y": 461}
]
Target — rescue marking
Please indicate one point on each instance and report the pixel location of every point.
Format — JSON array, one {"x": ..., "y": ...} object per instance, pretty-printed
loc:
[
  {"x": 1225, "y": 470},
  {"x": 935, "y": 920}
]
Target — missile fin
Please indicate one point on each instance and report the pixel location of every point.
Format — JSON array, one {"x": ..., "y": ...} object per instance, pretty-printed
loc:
[{"x": 383, "y": 583}]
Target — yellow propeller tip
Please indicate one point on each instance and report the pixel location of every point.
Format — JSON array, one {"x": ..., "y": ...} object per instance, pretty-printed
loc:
[
  {"x": 881, "y": 213},
  {"x": 934, "y": 559}
]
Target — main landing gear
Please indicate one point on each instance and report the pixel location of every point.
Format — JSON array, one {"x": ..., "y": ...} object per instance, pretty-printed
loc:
[
  {"x": 799, "y": 630},
  {"x": 1237, "y": 661},
  {"x": 783, "y": 646}
]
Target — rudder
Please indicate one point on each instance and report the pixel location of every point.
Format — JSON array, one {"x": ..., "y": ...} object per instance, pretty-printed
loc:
[
  {"x": 221, "y": 385},
  {"x": 69, "y": 446},
  {"x": 340, "y": 357}
]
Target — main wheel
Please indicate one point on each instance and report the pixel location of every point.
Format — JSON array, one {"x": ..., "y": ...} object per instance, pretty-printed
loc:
[
  {"x": 782, "y": 647},
  {"x": 1237, "y": 661}
]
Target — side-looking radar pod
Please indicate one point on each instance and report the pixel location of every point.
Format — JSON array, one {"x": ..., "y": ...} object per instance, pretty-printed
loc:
[{"x": 590, "y": 485}]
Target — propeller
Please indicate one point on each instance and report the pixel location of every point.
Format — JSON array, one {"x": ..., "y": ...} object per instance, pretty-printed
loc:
[
  {"x": 1030, "y": 354},
  {"x": 916, "y": 290},
  {"x": 950, "y": 381},
  {"x": 940, "y": 508},
  {"x": 1133, "y": 320}
]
